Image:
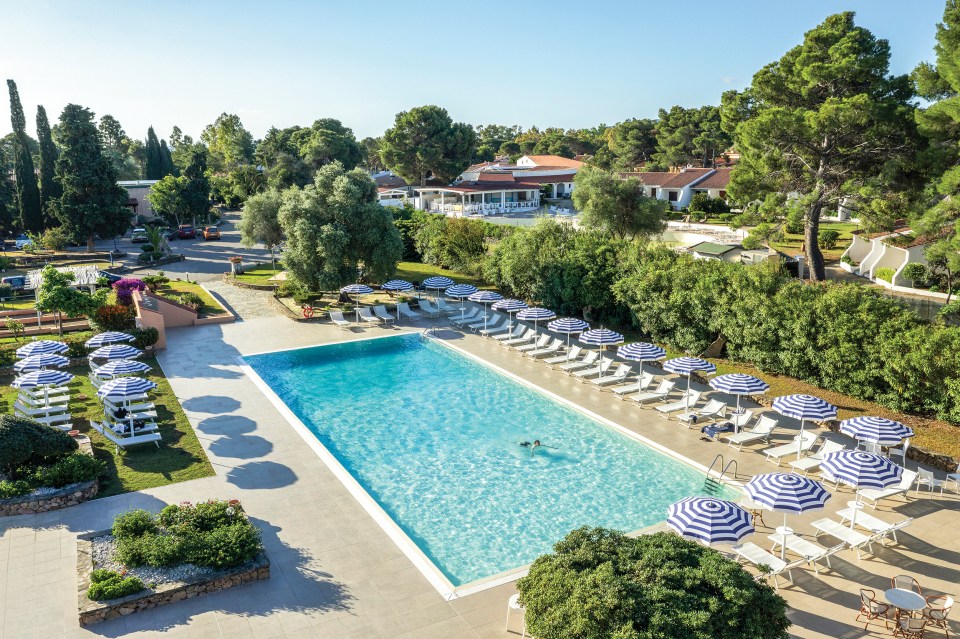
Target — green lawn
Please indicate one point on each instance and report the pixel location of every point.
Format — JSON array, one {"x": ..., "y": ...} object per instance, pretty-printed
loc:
[
  {"x": 18, "y": 304},
  {"x": 417, "y": 272},
  {"x": 793, "y": 242},
  {"x": 258, "y": 274},
  {"x": 179, "y": 458},
  {"x": 173, "y": 289}
]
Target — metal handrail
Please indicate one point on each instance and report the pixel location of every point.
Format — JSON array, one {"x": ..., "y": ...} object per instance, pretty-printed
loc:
[
  {"x": 718, "y": 457},
  {"x": 732, "y": 462}
]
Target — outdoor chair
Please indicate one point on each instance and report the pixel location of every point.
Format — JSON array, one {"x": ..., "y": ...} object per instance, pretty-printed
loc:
[
  {"x": 588, "y": 360},
  {"x": 713, "y": 410},
  {"x": 687, "y": 401},
  {"x": 926, "y": 478},
  {"x": 623, "y": 371},
  {"x": 505, "y": 332},
  {"x": 638, "y": 386},
  {"x": 407, "y": 312},
  {"x": 566, "y": 358},
  {"x": 871, "y": 609},
  {"x": 800, "y": 445},
  {"x": 760, "y": 432},
  {"x": 337, "y": 318},
  {"x": 549, "y": 349},
  {"x": 484, "y": 322},
  {"x": 660, "y": 393},
  {"x": 381, "y": 311},
  {"x": 954, "y": 478},
  {"x": 496, "y": 331},
  {"x": 367, "y": 316},
  {"x": 906, "y": 582},
  {"x": 851, "y": 538},
  {"x": 532, "y": 346},
  {"x": 813, "y": 461},
  {"x": 600, "y": 369},
  {"x": 873, "y": 524},
  {"x": 875, "y": 494},
  {"x": 937, "y": 610},
  {"x": 429, "y": 309},
  {"x": 528, "y": 336},
  {"x": 468, "y": 318},
  {"x": 754, "y": 554},
  {"x": 910, "y": 627},
  {"x": 900, "y": 451},
  {"x": 810, "y": 551}
]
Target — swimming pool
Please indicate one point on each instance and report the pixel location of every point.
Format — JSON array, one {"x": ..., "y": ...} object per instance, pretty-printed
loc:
[{"x": 433, "y": 437}]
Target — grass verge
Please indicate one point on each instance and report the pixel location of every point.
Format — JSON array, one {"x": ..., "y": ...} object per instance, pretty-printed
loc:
[
  {"x": 792, "y": 243},
  {"x": 418, "y": 271},
  {"x": 173, "y": 289}
]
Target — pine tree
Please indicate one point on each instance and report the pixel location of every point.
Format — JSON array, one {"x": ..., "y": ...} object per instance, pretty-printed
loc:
[
  {"x": 166, "y": 161},
  {"x": 153, "y": 162},
  {"x": 28, "y": 193},
  {"x": 92, "y": 202},
  {"x": 50, "y": 190}
]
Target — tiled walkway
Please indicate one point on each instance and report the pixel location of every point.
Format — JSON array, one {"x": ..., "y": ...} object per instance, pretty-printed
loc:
[{"x": 335, "y": 573}]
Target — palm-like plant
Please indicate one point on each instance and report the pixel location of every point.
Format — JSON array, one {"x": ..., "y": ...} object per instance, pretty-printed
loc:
[{"x": 157, "y": 240}]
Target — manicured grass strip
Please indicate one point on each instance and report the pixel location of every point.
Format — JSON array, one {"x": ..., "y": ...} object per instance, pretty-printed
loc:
[
  {"x": 258, "y": 275},
  {"x": 179, "y": 457},
  {"x": 173, "y": 289},
  {"x": 417, "y": 272},
  {"x": 793, "y": 242}
]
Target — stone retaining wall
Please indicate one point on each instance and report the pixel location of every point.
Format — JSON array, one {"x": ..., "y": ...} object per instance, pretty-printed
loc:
[
  {"x": 65, "y": 497},
  {"x": 91, "y": 612}
]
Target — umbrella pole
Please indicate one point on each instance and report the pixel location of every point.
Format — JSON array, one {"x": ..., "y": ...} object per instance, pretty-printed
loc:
[
  {"x": 783, "y": 541},
  {"x": 801, "y": 440}
]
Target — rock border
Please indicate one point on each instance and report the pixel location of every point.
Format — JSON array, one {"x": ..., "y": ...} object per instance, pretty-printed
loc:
[
  {"x": 71, "y": 495},
  {"x": 91, "y": 612}
]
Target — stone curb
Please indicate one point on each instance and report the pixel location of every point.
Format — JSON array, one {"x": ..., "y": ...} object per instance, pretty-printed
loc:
[{"x": 70, "y": 495}]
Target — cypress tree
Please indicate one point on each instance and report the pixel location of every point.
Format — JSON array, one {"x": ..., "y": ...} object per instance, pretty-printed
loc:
[
  {"x": 28, "y": 193},
  {"x": 166, "y": 161},
  {"x": 50, "y": 190},
  {"x": 8, "y": 196},
  {"x": 153, "y": 162},
  {"x": 92, "y": 202}
]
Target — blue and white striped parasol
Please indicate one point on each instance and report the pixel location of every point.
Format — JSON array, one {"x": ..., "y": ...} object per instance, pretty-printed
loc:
[
  {"x": 460, "y": 292},
  {"x": 37, "y": 379},
  {"x": 485, "y": 297},
  {"x": 39, "y": 362},
  {"x": 109, "y": 337},
  {"x": 804, "y": 407},
  {"x": 124, "y": 388},
  {"x": 877, "y": 430},
  {"x": 641, "y": 352},
  {"x": 568, "y": 326},
  {"x": 119, "y": 367},
  {"x": 535, "y": 315},
  {"x": 115, "y": 351},
  {"x": 687, "y": 366},
  {"x": 601, "y": 337},
  {"x": 397, "y": 286},
  {"x": 437, "y": 282},
  {"x": 787, "y": 493},
  {"x": 508, "y": 306},
  {"x": 357, "y": 290},
  {"x": 860, "y": 469},
  {"x": 40, "y": 347},
  {"x": 739, "y": 384},
  {"x": 709, "y": 520}
]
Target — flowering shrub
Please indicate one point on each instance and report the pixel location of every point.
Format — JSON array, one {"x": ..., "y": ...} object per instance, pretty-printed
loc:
[
  {"x": 113, "y": 317},
  {"x": 125, "y": 289}
]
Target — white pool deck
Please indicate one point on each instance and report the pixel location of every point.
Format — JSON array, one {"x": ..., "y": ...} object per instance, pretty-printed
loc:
[{"x": 336, "y": 573}]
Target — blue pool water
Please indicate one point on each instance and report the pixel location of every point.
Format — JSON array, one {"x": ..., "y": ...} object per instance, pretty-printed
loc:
[{"x": 433, "y": 437}]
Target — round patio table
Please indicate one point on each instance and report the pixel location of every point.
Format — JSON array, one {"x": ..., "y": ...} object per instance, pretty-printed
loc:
[{"x": 904, "y": 600}]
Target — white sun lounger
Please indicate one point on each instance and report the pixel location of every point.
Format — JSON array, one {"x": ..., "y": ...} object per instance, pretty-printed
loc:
[
  {"x": 600, "y": 367},
  {"x": 688, "y": 399},
  {"x": 337, "y": 318},
  {"x": 566, "y": 358},
  {"x": 851, "y": 538},
  {"x": 713, "y": 410},
  {"x": 907, "y": 478},
  {"x": 541, "y": 342},
  {"x": 741, "y": 419},
  {"x": 38, "y": 402},
  {"x": 367, "y": 316},
  {"x": 528, "y": 336},
  {"x": 813, "y": 461},
  {"x": 660, "y": 393},
  {"x": 481, "y": 323},
  {"x": 761, "y": 431},
  {"x": 380, "y": 311},
  {"x": 810, "y": 551},
  {"x": 588, "y": 360},
  {"x": 549, "y": 349},
  {"x": 443, "y": 307},
  {"x": 508, "y": 333},
  {"x": 874, "y": 525},
  {"x": 623, "y": 371},
  {"x": 494, "y": 331},
  {"x": 429, "y": 309},
  {"x": 800, "y": 445},
  {"x": 407, "y": 312},
  {"x": 123, "y": 442},
  {"x": 754, "y": 554},
  {"x": 638, "y": 386},
  {"x": 39, "y": 411},
  {"x": 468, "y": 318}
]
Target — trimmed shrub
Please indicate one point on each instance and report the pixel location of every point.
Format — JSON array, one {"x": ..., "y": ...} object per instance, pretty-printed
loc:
[
  {"x": 191, "y": 300},
  {"x": 135, "y": 523},
  {"x": 106, "y": 585},
  {"x": 144, "y": 337},
  {"x": 134, "y": 551},
  {"x": 828, "y": 238},
  {"x": 76, "y": 342},
  {"x": 154, "y": 281},
  {"x": 229, "y": 546},
  {"x": 26, "y": 442},
  {"x": 14, "y": 488},
  {"x": 916, "y": 273},
  {"x": 8, "y": 354},
  {"x": 113, "y": 317},
  {"x": 74, "y": 468},
  {"x": 886, "y": 274}
]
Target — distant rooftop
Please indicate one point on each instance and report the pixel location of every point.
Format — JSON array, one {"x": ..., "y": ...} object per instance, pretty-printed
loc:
[{"x": 133, "y": 184}]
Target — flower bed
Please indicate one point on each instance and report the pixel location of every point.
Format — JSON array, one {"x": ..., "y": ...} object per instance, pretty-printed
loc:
[{"x": 149, "y": 560}]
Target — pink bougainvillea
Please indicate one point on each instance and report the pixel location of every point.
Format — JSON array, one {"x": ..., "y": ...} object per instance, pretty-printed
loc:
[{"x": 125, "y": 289}]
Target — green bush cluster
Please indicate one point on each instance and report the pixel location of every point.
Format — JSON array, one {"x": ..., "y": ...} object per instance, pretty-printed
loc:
[
  {"x": 885, "y": 273},
  {"x": 828, "y": 238},
  {"x": 113, "y": 317},
  {"x": 144, "y": 337},
  {"x": 210, "y": 533},
  {"x": 107, "y": 584},
  {"x": 192, "y": 300},
  {"x": 454, "y": 243},
  {"x": 34, "y": 455},
  {"x": 74, "y": 468}
]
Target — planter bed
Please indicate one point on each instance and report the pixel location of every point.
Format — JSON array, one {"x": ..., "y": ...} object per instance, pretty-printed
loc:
[
  {"x": 45, "y": 499},
  {"x": 164, "y": 585}
]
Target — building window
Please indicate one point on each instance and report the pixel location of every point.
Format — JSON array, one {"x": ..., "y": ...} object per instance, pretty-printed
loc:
[
  {"x": 723, "y": 195},
  {"x": 672, "y": 196},
  {"x": 653, "y": 192}
]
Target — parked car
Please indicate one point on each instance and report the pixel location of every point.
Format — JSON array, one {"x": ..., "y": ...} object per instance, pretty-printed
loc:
[
  {"x": 211, "y": 233},
  {"x": 16, "y": 282},
  {"x": 168, "y": 234},
  {"x": 111, "y": 277},
  {"x": 23, "y": 241},
  {"x": 139, "y": 236},
  {"x": 186, "y": 232}
]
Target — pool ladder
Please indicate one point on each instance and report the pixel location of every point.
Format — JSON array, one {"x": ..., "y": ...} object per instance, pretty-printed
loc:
[{"x": 713, "y": 485}]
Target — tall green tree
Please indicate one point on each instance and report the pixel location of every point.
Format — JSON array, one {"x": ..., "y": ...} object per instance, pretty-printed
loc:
[
  {"x": 425, "y": 141},
  {"x": 167, "y": 166},
  {"x": 687, "y": 136},
  {"x": 633, "y": 142},
  {"x": 230, "y": 144},
  {"x": 617, "y": 206},
  {"x": 336, "y": 231},
  {"x": 371, "y": 154},
  {"x": 28, "y": 192},
  {"x": 153, "y": 159},
  {"x": 112, "y": 134},
  {"x": 825, "y": 121},
  {"x": 50, "y": 190},
  {"x": 260, "y": 221},
  {"x": 169, "y": 199},
  {"x": 8, "y": 196},
  {"x": 92, "y": 202},
  {"x": 57, "y": 295},
  {"x": 326, "y": 141},
  {"x": 198, "y": 184}
]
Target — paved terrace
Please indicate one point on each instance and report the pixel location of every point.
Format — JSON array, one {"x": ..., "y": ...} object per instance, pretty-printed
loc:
[{"x": 335, "y": 572}]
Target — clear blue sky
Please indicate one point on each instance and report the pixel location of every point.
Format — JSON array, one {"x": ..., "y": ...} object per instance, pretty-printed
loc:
[{"x": 561, "y": 63}]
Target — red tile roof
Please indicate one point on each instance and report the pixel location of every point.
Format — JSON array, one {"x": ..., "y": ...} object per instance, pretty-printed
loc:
[
  {"x": 476, "y": 187},
  {"x": 718, "y": 180},
  {"x": 669, "y": 180},
  {"x": 554, "y": 161},
  {"x": 545, "y": 179},
  {"x": 495, "y": 177}
]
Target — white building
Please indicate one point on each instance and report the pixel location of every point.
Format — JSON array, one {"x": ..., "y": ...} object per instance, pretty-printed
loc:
[
  {"x": 678, "y": 187},
  {"x": 867, "y": 254},
  {"x": 138, "y": 192}
]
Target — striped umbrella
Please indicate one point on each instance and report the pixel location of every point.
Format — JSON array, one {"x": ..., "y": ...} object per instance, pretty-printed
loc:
[
  {"x": 124, "y": 388},
  {"x": 568, "y": 326},
  {"x": 860, "y": 469},
  {"x": 437, "y": 283},
  {"x": 709, "y": 520},
  {"x": 42, "y": 379},
  {"x": 38, "y": 362},
  {"x": 804, "y": 407},
  {"x": 109, "y": 337},
  {"x": 397, "y": 286},
  {"x": 786, "y": 493},
  {"x": 358, "y": 290},
  {"x": 601, "y": 337},
  {"x": 119, "y": 367},
  {"x": 739, "y": 384},
  {"x": 508, "y": 306},
  {"x": 641, "y": 352},
  {"x": 877, "y": 430},
  {"x": 460, "y": 292},
  {"x": 535, "y": 315},
  {"x": 686, "y": 366},
  {"x": 116, "y": 351},
  {"x": 485, "y": 297},
  {"x": 41, "y": 347}
]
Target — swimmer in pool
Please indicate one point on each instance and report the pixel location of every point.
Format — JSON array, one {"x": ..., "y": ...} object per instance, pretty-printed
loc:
[{"x": 534, "y": 445}]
